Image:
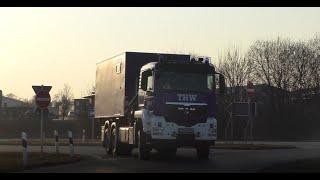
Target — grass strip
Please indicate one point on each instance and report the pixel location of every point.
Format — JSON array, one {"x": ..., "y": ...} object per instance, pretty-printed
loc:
[{"x": 12, "y": 161}]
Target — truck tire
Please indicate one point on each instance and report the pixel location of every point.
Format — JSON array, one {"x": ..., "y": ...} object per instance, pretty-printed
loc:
[
  {"x": 119, "y": 148},
  {"x": 203, "y": 151},
  {"x": 143, "y": 149},
  {"x": 113, "y": 142},
  {"x": 107, "y": 140}
]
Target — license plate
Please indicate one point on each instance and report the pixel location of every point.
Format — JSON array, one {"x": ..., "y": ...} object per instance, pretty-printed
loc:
[{"x": 185, "y": 130}]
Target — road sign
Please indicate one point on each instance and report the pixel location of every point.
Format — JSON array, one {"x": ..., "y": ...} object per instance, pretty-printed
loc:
[
  {"x": 250, "y": 89},
  {"x": 43, "y": 98},
  {"x": 41, "y": 88}
]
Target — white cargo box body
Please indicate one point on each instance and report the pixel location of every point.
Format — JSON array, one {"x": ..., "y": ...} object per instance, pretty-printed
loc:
[{"x": 117, "y": 80}]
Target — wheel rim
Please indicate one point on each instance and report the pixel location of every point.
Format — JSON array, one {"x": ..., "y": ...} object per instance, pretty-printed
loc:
[
  {"x": 107, "y": 139},
  {"x": 111, "y": 143}
]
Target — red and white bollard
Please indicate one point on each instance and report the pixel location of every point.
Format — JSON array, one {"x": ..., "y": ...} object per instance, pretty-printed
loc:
[
  {"x": 24, "y": 149},
  {"x": 83, "y": 135},
  {"x": 56, "y": 142}
]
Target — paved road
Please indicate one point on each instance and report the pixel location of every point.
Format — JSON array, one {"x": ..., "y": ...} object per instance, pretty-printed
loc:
[{"x": 220, "y": 160}]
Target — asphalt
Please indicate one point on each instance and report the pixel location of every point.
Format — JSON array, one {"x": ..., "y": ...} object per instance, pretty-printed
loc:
[{"x": 221, "y": 160}]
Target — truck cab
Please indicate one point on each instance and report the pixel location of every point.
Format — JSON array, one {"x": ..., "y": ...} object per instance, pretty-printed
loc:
[{"x": 176, "y": 106}]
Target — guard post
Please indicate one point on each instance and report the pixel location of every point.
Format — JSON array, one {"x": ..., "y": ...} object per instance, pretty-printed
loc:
[
  {"x": 24, "y": 149},
  {"x": 83, "y": 135},
  {"x": 71, "y": 143},
  {"x": 56, "y": 142}
]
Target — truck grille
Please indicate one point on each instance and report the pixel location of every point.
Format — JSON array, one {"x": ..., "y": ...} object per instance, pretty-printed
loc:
[{"x": 186, "y": 115}]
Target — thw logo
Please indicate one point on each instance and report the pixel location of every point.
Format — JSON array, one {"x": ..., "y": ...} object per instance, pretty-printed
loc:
[{"x": 187, "y": 97}]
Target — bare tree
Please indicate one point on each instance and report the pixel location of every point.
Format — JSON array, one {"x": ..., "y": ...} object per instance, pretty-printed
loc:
[
  {"x": 271, "y": 65},
  {"x": 11, "y": 95},
  {"x": 64, "y": 99},
  {"x": 314, "y": 68},
  {"x": 30, "y": 102},
  {"x": 302, "y": 59},
  {"x": 237, "y": 70},
  {"x": 260, "y": 54},
  {"x": 281, "y": 63}
]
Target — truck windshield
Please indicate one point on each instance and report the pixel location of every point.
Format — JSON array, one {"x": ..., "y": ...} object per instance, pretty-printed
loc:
[{"x": 185, "y": 81}]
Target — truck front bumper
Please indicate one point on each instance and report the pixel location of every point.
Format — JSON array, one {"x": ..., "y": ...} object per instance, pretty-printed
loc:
[
  {"x": 180, "y": 141},
  {"x": 169, "y": 134},
  {"x": 162, "y": 130}
]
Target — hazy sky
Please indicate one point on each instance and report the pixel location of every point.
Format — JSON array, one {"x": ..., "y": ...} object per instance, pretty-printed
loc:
[{"x": 54, "y": 46}]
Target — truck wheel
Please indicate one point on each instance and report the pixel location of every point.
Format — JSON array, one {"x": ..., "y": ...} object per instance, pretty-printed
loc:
[
  {"x": 107, "y": 141},
  {"x": 118, "y": 148},
  {"x": 203, "y": 151},
  {"x": 113, "y": 143},
  {"x": 143, "y": 150}
]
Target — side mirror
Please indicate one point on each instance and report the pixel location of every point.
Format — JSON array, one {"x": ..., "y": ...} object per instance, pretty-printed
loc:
[
  {"x": 144, "y": 79},
  {"x": 222, "y": 84}
]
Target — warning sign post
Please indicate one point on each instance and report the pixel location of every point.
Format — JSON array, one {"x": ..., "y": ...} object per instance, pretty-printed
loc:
[{"x": 43, "y": 100}]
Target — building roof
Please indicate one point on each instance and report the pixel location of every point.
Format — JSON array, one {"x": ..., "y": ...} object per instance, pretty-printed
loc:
[
  {"x": 10, "y": 102},
  {"x": 89, "y": 96}
]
